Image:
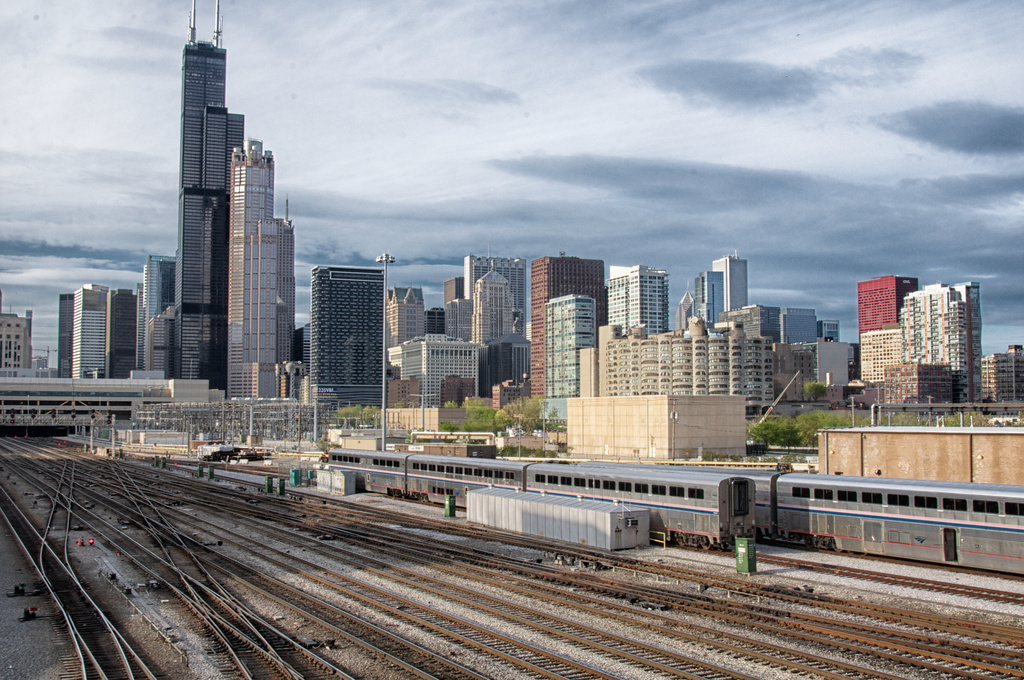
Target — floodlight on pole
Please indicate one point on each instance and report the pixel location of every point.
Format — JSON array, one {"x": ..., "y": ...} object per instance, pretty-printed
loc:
[{"x": 384, "y": 259}]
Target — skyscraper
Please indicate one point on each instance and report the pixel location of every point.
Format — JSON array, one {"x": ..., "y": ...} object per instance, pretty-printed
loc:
[
  {"x": 734, "y": 277},
  {"x": 798, "y": 324},
  {"x": 942, "y": 325},
  {"x": 514, "y": 271},
  {"x": 880, "y": 300},
  {"x": 89, "y": 332},
  {"x": 709, "y": 296},
  {"x": 65, "y": 334},
  {"x": 552, "y": 277},
  {"x": 121, "y": 337},
  {"x": 157, "y": 295},
  {"x": 568, "y": 327},
  {"x": 405, "y": 314},
  {"x": 346, "y": 341},
  {"x": 638, "y": 296},
  {"x": 454, "y": 289},
  {"x": 433, "y": 321},
  {"x": 208, "y": 135},
  {"x": 261, "y": 275},
  {"x": 492, "y": 308},
  {"x": 684, "y": 311}
]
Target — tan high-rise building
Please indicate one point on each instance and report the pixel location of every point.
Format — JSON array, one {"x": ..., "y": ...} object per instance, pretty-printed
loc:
[
  {"x": 879, "y": 350},
  {"x": 15, "y": 339},
  {"x": 631, "y": 363},
  {"x": 261, "y": 277},
  {"x": 1002, "y": 375},
  {"x": 405, "y": 315},
  {"x": 492, "y": 308}
]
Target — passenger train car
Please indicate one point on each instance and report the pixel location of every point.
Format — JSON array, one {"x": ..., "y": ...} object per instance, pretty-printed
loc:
[
  {"x": 975, "y": 525},
  {"x": 702, "y": 509},
  {"x": 706, "y": 510}
]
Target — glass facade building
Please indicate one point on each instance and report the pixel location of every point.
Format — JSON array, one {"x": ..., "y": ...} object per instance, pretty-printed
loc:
[
  {"x": 346, "y": 343},
  {"x": 208, "y": 135}
]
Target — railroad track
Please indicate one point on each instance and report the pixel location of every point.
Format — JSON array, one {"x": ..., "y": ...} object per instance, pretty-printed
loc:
[{"x": 910, "y": 640}]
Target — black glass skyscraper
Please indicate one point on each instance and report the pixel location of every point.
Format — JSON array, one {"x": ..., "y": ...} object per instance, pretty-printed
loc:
[{"x": 208, "y": 136}]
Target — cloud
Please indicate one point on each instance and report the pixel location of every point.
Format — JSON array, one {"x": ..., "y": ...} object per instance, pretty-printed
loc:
[
  {"x": 735, "y": 83},
  {"x": 969, "y": 127},
  {"x": 760, "y": 85},
  {"x": 447, "y": 92}
]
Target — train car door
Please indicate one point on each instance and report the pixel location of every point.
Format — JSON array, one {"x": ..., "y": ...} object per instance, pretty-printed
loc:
[
  {"x": 873, "y": 537},
  {"x": 949, "y": 545}
]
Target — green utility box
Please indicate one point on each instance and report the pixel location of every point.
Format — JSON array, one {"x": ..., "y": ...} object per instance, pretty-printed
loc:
[
  {"x": 199, "y": 470},
  {"x": 449, "y": 506},
  {"x": 295, "y": 475},
  {"x": 746, "y": 556},
  {"x": 268, "y": 485},
  {"x": 156, "y": 461},
  {"x": 280, "y": 486},
  {"x": 163, "y": 462},
  {"x": 209, "y": 472}
]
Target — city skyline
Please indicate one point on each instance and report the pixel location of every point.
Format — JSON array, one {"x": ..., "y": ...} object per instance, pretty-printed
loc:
[{"x": 828, "y": 145}]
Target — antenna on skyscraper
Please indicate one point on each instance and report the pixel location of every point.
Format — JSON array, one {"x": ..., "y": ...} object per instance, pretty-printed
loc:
[
  {"x": 192, "y": 24},
  {"x": 217, "y": 26},
  {"x": 286, "y": 207}
]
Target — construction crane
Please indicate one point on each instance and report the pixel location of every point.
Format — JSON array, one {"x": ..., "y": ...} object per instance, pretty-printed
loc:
[{"x": 778, "y": 398}]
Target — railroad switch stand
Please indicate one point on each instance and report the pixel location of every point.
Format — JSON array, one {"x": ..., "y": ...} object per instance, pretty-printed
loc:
[
  {"x": 19, "y": 589},
  {"x": 29, "y": 613}
]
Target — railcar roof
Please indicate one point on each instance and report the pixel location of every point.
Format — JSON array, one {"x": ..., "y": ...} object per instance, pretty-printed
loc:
[
  {"x": 888, "y": 484},
  {"x": 633, "y": 472},
  {"x": 492, "y": 463}
]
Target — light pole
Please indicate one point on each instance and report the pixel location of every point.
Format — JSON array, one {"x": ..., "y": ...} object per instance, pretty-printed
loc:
[
  {"x": 384, "y": 259},
  {"x": 423, "y": 412}
]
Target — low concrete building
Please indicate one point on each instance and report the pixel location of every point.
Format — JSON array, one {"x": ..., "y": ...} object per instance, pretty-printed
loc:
[
  {"x": 666, "y": 427},
  {"x": 428, "y": 418},
  {"x": 991, "y": 455}
]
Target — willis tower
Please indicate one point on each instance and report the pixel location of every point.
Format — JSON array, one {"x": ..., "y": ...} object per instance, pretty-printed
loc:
[{"x": 209, "y": 134}]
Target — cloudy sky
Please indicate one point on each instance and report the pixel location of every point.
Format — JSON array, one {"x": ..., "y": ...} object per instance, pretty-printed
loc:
[{"x": 825, "y": 142}]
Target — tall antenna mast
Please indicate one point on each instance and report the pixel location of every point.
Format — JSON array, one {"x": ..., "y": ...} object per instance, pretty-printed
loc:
[
  {"x": 286, "y": 207},
  {"x": 192, "y": 24},
  {"x": 217, "y": 25}
]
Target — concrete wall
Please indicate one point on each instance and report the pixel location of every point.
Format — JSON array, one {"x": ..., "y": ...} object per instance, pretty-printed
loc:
[
  {"x": 990, "y": 455},
  {"x": 641, "y": 428}
]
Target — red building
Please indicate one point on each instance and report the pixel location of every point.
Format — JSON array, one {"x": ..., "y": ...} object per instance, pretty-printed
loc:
[
  {"x": 879, "y": 300},
  {"x": 918, "y": 384},
  {"x": 552, "y": 277},
  {"x": 457, "y": 389}
]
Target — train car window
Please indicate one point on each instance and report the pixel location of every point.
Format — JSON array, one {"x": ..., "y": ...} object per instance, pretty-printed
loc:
[
  {"x": 489, "y": 473},
  {"x": 926, "y": 502},
  {"x": 626, "y": 486},
  {"x": 695, "y": 493},
  {"x": 898, "y": 499},
  {"x": 509, "y": 474},
  {"x": 540, "y": 479},
  {"x": 579, "y": 481},
  {"x": 458, "y": 470},
  {"x": 1015, "y": 509},
  {"x": 415, "y": 466},
  {"x": 845, "y": 496},
  {"x": 449, "y": 469},
  {"x": 801, "y": 492},
  {"x": 432, "y": 468},
  {"x": 605, "y": 484},
  {"x": 955, "y": 504},
  {"x": 641, "y": 488},
  {"x": 740, "y": 498},
  {"x": 658, "y": 490},
  {"x": 566, "y": 481},
  {"x": 676, "y": 491},
  {"x": 591, "y": 483},
  {"x": 477, "y": 472},
  {"x": 823, "y": 494},
  {"x": 871, "y": 498},
  {"x": 990, "y": 507}
]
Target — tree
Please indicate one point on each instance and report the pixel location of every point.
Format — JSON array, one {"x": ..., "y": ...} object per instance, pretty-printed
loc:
[
  {"x": 814, "y": 390},
  {"x": 447, "y": 426},
  {"x": 450, "y": 404}
]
